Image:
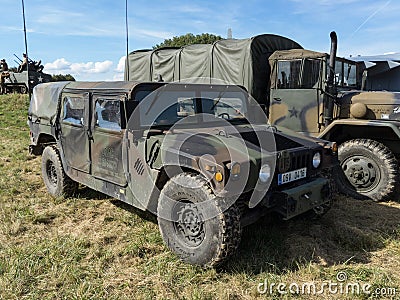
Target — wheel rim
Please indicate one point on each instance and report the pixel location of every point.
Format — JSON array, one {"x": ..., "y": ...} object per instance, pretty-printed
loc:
[
  {"x": 362, "y": 172},
  {"x": 189, "y": 224},
  {"x": 51, "y": 172}
]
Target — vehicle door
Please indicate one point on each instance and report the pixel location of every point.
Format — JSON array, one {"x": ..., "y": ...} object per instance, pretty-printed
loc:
[
  {"x": 75, "y": 131},
  {"x": 107, "y": 135},
  {"x": 295, "y": 97}
]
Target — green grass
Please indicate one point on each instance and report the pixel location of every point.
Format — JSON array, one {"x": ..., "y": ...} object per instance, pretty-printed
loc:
[{"x": 92, "y": 247}]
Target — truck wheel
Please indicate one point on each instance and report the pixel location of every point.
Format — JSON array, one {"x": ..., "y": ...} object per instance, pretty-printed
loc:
[
  {"x": 54, "y": 177},
  {"x": 23, "y": 89},
  {"x": 187, "y": 231},
  {"x": 370, "y": 170}
]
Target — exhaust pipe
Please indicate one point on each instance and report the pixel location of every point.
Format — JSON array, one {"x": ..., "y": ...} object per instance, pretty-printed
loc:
[{"x": 330, "y": 92}]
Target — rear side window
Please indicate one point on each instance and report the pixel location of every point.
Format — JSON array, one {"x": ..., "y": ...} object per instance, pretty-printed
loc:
[
  {"x": 108, "y": 114},
  {"x": 74, "y": 108}
]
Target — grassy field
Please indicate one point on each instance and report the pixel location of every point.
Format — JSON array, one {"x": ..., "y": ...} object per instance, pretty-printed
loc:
[{"x": 93, "y": 247}]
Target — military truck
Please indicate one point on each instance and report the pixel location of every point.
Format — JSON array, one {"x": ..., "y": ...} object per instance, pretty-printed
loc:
[
  {"x": 18, "y": 82},
  {"x": 309, "y": 92},
  {"x": 195, "y": 155}
]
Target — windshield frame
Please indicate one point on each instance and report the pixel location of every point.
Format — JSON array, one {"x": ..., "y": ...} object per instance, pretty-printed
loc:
[{"x": 200, "y": 93}]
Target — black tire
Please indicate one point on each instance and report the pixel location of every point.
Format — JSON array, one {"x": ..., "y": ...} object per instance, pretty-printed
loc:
[
  {"x": 23, "y": 89},
  {"x": 54, "y": 177},
  {"x": 201, "y": 240},
  {"x": 369, "y": 170}
]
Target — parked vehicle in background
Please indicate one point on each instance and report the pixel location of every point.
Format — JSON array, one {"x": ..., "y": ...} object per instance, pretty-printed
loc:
[{"x": 23, "y": 80}]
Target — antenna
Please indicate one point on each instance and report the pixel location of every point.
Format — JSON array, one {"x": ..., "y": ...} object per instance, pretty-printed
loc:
[
  {"x": 26, "y": 48},
  {"x": 127, "y": 41}
]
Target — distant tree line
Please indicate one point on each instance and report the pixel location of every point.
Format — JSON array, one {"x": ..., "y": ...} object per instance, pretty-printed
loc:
[
  {"x": 189, "y": 39},
  {"x": 61, "y": 77}
]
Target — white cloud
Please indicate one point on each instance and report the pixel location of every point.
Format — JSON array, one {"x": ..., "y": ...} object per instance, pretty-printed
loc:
[
  {"x": 62, "y": 66},
  {"x": 152, "y": 33},
  {"x": 121, "y": 65},
  {"x": 118, "y": 77}
]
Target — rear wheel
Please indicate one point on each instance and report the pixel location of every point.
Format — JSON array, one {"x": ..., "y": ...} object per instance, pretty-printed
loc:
[
  {"x": 193, "y": 223},
  {"x": 369, "y": 170},
  {"x": 23, "y": 89},
  {"x": 54, "y": 177}
]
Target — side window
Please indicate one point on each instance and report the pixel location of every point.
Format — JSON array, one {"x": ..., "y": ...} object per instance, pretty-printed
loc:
[
  {"x": 350, "y": 74},
  {"x": 74, "y": 108},
  {"x": 338, "y": 73},
  {"x": 289, "y": 74},
  {"x": 311, "y": 71},
  {"x": 108, "y": 114}
]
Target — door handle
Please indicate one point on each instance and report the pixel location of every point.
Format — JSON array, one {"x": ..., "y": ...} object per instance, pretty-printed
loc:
[{"x": 277, "y": 99}]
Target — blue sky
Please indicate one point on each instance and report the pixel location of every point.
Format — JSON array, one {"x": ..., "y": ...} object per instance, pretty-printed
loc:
[{"x": 87, "y": 38}]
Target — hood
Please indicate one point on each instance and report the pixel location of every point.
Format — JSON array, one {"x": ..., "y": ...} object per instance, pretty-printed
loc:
[
  {"x": 239, "y": 143},
  {"x": 371, "y": 105}
]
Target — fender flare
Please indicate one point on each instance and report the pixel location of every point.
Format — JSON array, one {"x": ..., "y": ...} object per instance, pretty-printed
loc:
[{"x": 342, "y": 130}]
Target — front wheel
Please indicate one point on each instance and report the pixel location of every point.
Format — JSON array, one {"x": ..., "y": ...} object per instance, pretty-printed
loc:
[
  {"x": 54, "y": 177},
  {"x": 369, "y": 170},
  {"x": 193, "y": 223}
]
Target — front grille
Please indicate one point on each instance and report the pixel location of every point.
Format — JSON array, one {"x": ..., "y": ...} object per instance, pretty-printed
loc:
[{"x": 300, "y": 160}]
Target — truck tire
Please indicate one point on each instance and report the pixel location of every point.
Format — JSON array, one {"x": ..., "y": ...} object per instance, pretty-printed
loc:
[
  {"x": 54, "y": 177},
  {"x": 369, "y": 170},
  {"x": 23, "y": 89},
  {"x": 196, "y": 239}
]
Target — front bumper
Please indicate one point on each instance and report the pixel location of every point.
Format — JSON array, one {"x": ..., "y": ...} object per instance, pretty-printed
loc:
[{"x": 295, "y": 201}]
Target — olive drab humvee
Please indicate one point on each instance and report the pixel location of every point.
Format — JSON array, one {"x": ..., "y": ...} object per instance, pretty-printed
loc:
[
  {"x": 195, "y": 155},
  {"x": 312, "y": 93}
]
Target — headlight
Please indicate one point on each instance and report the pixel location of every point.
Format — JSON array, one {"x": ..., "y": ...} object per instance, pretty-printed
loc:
[
  {"x": 316, "y": 160},
  {"x": 265, "y": 173},
  {"x": 334, "y": 148},
  {"x": 235, "y": 170}
]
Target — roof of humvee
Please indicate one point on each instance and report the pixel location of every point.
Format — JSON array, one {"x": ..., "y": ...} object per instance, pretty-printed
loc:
[
  {"x": 45, "y": 97},
  {"x": 102, "y": 85}
]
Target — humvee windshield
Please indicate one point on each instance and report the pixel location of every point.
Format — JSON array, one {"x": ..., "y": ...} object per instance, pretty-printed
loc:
[{"x": 167, "y": 107}]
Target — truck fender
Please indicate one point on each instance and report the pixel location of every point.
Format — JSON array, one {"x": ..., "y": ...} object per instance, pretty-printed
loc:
[{"x": 347, "y": 129}]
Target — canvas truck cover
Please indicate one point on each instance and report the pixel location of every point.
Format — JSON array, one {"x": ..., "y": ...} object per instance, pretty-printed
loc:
[
  {"x": 236, "y": 61},
  {"x": 44, "y": 100}
]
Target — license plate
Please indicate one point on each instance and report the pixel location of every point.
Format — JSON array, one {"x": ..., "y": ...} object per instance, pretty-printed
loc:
[{"x": 292, "y": 176}]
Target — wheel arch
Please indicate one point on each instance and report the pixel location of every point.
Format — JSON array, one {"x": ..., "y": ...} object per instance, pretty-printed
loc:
[
  {"x": 386, "y": 133},
  {"x": 165, "y": 174},
  {"x": 43, "y": 140}
]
